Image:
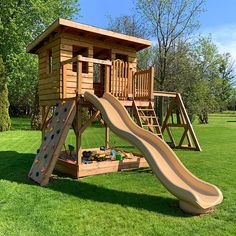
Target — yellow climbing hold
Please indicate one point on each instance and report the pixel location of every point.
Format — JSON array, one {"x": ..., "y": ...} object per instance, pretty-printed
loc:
[
  {"x": 51, "y": 129},
  {"x": 63, "y": 102},
  {"x": 36, "y": 161}
]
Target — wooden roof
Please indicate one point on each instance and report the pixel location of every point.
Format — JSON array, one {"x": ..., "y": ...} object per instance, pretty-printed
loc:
[{"x": 88, "y": 31}]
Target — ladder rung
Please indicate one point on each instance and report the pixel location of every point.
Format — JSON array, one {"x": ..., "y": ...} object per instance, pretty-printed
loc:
[
  {"x": 151, "y": 125},
  {"x": 145, "y": 109},
  {"x": 149, "y": 116}
]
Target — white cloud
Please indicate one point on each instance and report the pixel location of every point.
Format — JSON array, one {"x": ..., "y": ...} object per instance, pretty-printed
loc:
[{"x": 224, "y": 37}]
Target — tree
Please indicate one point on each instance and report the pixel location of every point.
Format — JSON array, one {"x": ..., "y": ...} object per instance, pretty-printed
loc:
[
  {"x": 167, "y": 21},
  {"x": 20, "y": 22},
  {"x": 5, "y": 121},
  {"x": 129, "y": 25}
]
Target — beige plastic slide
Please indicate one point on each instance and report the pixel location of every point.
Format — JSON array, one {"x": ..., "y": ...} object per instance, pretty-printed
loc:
[{"x": 195, "y": 196}]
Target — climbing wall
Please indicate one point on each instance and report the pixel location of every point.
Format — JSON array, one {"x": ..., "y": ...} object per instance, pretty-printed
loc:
[{"x": 55, "y": 135}]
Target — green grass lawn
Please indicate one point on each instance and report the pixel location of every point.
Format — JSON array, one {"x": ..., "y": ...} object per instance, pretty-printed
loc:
[{"x": 125, "y": 203}]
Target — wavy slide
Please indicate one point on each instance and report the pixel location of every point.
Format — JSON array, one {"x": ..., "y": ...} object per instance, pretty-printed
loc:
[{"x": 195, "y": 196}]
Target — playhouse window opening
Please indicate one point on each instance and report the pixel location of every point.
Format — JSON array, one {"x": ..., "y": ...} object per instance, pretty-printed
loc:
[
  {"x": 101, "y": 53},
  {"x": 77, "y": 50},
  {"x": 122, "y": 57},
  {"x": 49, "y": 61}
]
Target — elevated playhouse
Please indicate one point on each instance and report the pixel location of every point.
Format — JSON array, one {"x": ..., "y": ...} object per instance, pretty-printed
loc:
[{"x": 92, "y": 70}]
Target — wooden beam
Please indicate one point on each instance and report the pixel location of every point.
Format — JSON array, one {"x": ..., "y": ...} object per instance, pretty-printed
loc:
[
  {"x": 64, "y": 81},
  {"x": 78, "y": 134},
  {"x": 89, "y": 121},
  {"x": 107, "y": 78},
  {"x": 164, "y": 94},
  {"x": 107, "y": 131},
  {"x": 195, "y": 140},
  {"x": 151, "y": 95}
]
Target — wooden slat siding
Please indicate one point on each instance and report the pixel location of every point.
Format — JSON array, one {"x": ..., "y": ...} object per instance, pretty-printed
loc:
[
  {"x": 49, "y": 83},
  {"x": 86, "y": 42}
]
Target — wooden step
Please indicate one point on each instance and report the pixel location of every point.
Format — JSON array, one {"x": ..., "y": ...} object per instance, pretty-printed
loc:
[
  {"x": 148, "y": 116},
  {"x": 145, "y": 109}
]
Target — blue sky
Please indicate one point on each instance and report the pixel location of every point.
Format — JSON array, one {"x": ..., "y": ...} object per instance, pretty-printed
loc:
[{"x": 219, "y": 20}]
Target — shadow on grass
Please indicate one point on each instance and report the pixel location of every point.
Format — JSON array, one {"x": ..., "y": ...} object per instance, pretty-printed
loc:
[
  {"x": 231, "y": 121},
  {"x": 15, "y": 167}
]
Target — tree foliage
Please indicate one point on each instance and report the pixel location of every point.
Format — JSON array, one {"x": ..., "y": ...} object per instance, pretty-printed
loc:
[
  {"x": 20, "y": 22},
  {"x": 5, "y": 121}
]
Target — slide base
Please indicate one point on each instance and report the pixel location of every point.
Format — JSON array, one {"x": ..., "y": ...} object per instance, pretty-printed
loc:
[{"x": 189, "y": 208}]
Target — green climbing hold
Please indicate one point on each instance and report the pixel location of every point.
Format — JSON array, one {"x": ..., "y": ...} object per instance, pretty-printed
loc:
[
  {"x": 45, "y": 138},
  {"x": 45, "y": 156},
  {"x": 58, "y": 131},
  {"x": 56, "y": 113}
]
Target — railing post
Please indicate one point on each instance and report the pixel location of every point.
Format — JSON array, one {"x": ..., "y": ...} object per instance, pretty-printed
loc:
[
  {"x": 64, "y": 94},
  {"x": 130, "y": 81},
  {"x": 133, "y": 83},
  {"x": 107, "y": 78},
  {"x": 151, "y": 95}
]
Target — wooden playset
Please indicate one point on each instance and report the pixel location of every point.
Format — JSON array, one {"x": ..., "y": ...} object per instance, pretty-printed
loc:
[{"x": 92, "y": 70}]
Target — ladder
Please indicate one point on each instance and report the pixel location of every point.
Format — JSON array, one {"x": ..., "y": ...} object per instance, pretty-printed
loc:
[{"x": 147, "y": 119}]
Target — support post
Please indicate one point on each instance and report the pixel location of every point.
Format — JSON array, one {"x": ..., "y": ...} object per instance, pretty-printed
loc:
[
  {"x": 151, "y": 95},
  {"x": 79, "y": 77},
  {"x": 107, "y": 131},
  {"x": 42, "y": 121},
  {"x": 78, "y": 134},
  {"x": 107, "y": 78}
]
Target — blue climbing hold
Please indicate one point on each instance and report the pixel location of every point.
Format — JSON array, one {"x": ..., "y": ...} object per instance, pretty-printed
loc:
[
  {"x": 37, "y": 174},
  {"x": 65, "y": 110},
  {"x": 52, "y": 137}
]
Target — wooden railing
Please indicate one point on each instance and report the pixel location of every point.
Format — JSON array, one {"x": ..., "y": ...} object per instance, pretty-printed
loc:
[
  {"x": 121, "y": 79},
  {"x": 143, "y": 84}
]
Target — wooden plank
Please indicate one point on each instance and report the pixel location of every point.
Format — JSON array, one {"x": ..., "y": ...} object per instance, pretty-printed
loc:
[{"x": 164, "y": 94}]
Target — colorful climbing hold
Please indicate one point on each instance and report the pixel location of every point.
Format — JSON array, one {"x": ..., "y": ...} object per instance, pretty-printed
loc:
[
  {"x": 58, "y": 131},
  {"x": 51, "y": 129},
  {"x": 45, "y": 156},
  {"x": 38, "y": 150},
  {"x": 42, "y": 169},
  {"x": 65, "y": 110},
  {"x": 63, "y": 102},
  {"x": 52, "y": 137},
  {"x": 37, "y": 174},
  {"x": 36, "y": 161},
  {"x": 58, "y": 120},
  {"x": 45, "y": 138},
  {"x": 57, "y": 104},
  {"x": 44, "y": 148},
  {"x": 63, "y": 120}
]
